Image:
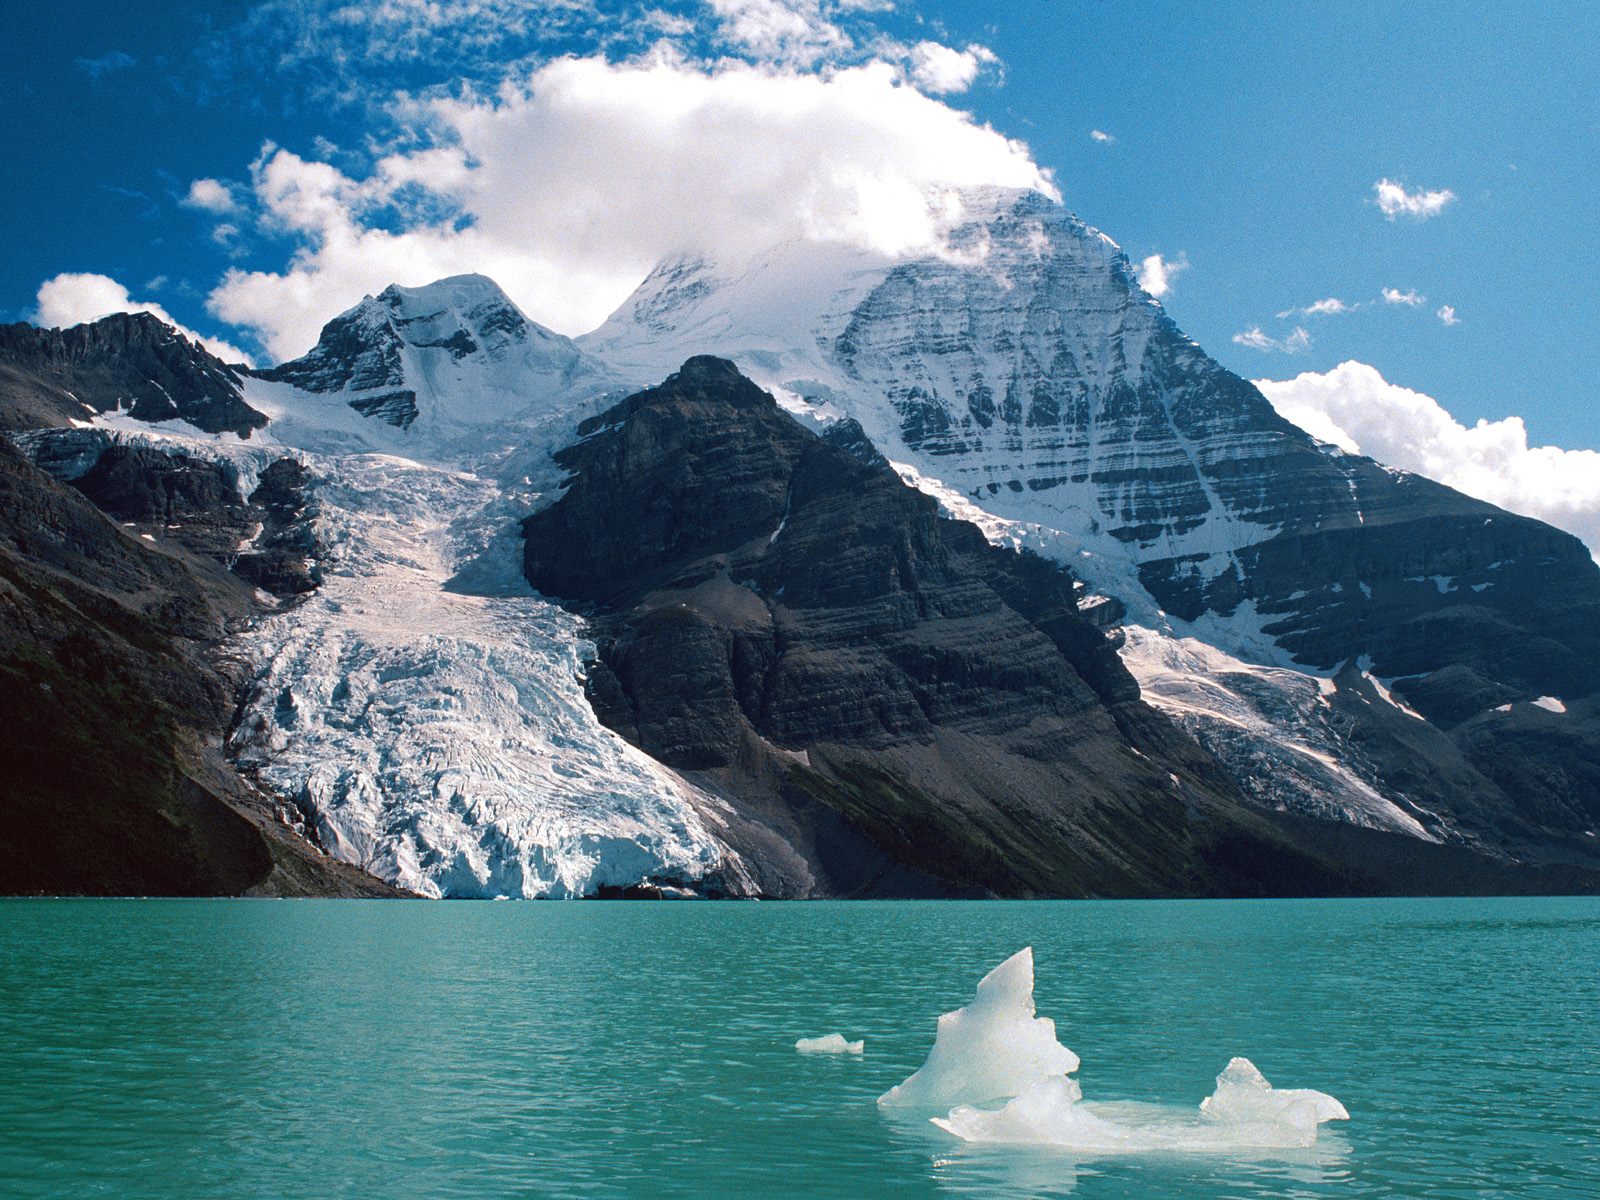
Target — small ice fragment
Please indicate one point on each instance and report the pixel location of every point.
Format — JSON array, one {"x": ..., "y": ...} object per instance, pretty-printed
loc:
[
  {"x": 1244, "y": 1098},
  {"x": 992, "y": 1049},
  {"x": 830, "y": 1043}
]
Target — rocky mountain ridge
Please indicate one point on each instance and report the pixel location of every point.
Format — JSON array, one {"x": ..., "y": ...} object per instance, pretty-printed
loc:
[
  {"x": 1342, "y": 678},
  {"x": 128, "y": 362}
]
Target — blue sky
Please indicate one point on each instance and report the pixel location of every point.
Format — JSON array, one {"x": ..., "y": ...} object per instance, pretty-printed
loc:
[{"x": 1245, "y": 141}]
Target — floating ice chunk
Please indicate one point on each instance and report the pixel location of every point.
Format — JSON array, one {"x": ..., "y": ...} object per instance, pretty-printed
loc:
[
  {"x": 830, "y": 1043},
  {"x": 1245, "y": 1114},
  {"x": 1047, "y": 1113},
  {"x": 1244, "y": 1096},
  {"x": 993, "y": 1048}
]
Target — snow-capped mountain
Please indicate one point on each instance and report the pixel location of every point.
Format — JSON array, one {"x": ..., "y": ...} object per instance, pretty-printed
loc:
[
  {"x": 1349, "y": 648},
  {"x": 449, "y": 358},
  {"x": 1025, "y": 379}
]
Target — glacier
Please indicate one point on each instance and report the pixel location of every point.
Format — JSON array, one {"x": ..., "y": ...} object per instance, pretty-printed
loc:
[
  {"x": 422, "y": 713},
  {"x": 441, "y": 740}
]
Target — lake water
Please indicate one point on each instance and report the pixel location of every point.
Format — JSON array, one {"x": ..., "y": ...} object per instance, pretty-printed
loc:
[{"x": 435, "y": 1050}]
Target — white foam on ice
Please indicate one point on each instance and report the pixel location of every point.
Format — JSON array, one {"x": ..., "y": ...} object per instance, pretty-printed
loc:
[
  {"x": 830, "y": 1043},
  {"x": 994, "y": 1047}
]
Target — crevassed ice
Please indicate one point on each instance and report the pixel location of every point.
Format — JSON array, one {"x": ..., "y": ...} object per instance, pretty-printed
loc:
[{"x": 442, "y": 740}]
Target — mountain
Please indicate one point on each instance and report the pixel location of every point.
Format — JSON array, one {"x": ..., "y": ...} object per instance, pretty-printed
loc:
[
  {"x": 454, "y": 355},
  {"x": 129, "y": 362},
  {"x": 114, "y": 780},
  {"x": 1025, "y": 379},
  {"x": 1008, "y": 588},
  {"x": 885, "y": 701}
]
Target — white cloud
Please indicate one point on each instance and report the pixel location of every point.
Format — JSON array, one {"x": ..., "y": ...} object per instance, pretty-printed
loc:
[
  {"x": 106, "y": 64},
  {"x": 1102, "y": 136},
  {"x": 1332, "y": 306},
  {"x": 666, "y": 23},
  {"x": 1156, "y": 273},
  {"x": 789, "y": 31},
  {"x": 210, "y": 195},
  {"x": 1396, "y": 296},
  {"x": 572, "y": 182},
  {"x": 71, "y": 299},
  {"x": 1257, "y": 340},
  {"x": 940, "y": 70},
  {"x": 1393, "y": 200},
  {"x": 1353, "y": 406},
  {"x": 1447, "y": 314}
]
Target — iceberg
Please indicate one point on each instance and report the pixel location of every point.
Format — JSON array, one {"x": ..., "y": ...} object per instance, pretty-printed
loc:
[
  {"x": 1244, "y": 1114},
  {"x": 994, "y": 1048},
  {"x": 830, "y": 1043},
  {"x": 997, "y": 1049},
  {"x": 1244, "y": 1098}
]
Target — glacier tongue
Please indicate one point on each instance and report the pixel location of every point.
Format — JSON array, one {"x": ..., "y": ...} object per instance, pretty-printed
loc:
[
  {"x": 442, "y": 740},
  {"x": 1271, "y": 726}
]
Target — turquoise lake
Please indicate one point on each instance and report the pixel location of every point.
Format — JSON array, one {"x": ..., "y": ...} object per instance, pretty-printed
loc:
[{"x": 384, "y": 1049}]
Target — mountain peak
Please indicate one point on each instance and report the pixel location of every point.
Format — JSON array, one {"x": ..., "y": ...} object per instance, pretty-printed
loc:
[
  {"x": 133, "y": 362},
  {"x": 457, "y": 349}
]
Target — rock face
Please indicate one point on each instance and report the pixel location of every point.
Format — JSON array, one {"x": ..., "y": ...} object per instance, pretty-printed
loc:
[
  {"x": 129, "y": 362},
  {"x": 111, "y": 777},
  {"x": 889, "y": 703},
  {"x": 162, "y": 493}
]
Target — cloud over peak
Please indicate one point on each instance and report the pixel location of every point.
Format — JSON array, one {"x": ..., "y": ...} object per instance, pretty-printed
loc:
[
  {"x": 74, "y": 298},
  {"x": 1354, "y": 407},
  {"x": 568, "y": 184},
  {"x": 1156, "y": 273}
]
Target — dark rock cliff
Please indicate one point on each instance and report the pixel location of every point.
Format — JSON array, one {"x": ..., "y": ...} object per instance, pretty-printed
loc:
[
  {"x": 890, "y": 704},
  {"x": 130, "y": 361},
  {"x": 111, "y": 775}
]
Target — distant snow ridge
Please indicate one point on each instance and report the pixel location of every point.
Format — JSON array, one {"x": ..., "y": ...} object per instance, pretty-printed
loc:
[
  {"x": 1024, "y": 369},
  {"x": 447, "y": 358},
  {"x": 442, "y": 740}
]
